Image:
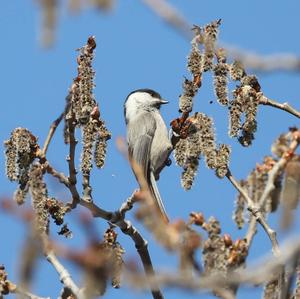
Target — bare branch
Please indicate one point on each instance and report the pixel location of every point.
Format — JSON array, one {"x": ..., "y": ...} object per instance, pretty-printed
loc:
[
  {"x": 250, "y": 60},
  {"x": 65, "y": 276},
  {"x": 170, "y": 15},
  {"x": 285, "y": 106},
  {"x": 52, "y": 130},
  {"x": 71, "y": 162},
  {"x": 127, "y": 228}
]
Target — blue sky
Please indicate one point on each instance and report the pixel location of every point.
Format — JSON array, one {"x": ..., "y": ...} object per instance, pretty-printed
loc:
[{"x": 136, "y": 50}]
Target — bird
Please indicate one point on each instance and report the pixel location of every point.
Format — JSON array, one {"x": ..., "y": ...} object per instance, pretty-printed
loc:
[{"x": 149, "y": 145}]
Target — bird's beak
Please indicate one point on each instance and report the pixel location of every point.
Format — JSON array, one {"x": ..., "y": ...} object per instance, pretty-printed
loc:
[{"x": 162, "y": 102}]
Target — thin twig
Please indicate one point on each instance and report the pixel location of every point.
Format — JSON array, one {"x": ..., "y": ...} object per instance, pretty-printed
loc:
[
  {"x": 128, "y": 204},
  {"x": 251, "y": 231},
  {"x": 285, "y": 106},
  {"x": 14, "y": 289},
  {"x": 51, "y": 132}
]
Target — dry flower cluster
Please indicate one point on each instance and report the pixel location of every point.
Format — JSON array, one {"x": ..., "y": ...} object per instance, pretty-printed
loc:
[{"x": 223, "y": 269}]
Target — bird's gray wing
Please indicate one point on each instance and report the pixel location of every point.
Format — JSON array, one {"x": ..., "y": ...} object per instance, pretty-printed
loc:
[{"x": 140, "y": 132}]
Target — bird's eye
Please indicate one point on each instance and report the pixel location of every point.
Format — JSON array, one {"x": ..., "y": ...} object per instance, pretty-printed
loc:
[{"x": 157, "y": 105}]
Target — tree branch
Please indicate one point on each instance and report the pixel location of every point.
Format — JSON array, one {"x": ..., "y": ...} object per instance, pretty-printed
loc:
[
  {"x": 285, "y": 106},
  {"x": 65, "y": 276},
  {"x": 51, "y": 132}
]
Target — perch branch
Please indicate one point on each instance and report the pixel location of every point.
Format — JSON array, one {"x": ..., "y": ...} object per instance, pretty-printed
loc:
[{"x": 141, "y": 245}]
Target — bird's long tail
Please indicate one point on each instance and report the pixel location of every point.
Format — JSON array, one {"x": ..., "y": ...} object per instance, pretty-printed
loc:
[{"x": 157, "y": 199}]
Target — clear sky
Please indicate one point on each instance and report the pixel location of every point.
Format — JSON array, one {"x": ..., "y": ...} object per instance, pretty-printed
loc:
[{"x": 137, "y": 50}]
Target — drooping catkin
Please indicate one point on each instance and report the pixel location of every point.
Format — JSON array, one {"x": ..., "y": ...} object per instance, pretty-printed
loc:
[
  {"x": 210, "y": 38},
  {"x": 39, "y": 196},
  {"x": 180, "y": 152},
  {"x": 222, "y": 160},
  {"x": 208, "y": 140},
  {"x": 235, "y": 112},
  {"x": 220, "y": 78},
  {"x": 186, "y": 99},
  {"x": 101, "y": 145},
  {"x": 271, "y": 289},
  {"x": 200, "y": 141},
  {"x": 20, "y": 195},
  {"x": 11, "y": 159},
  {"x": 20, "y": 152},
  {"x": 189, "y": 172},
  {"x": 115, "y": 260},
  {"x": 236, "y": 71},
  {"x": 82, "y": 111},
  {"x": 215, "y": 253},
  {"x": 89, "y": 135},
  {"x": 195, "y": 59},
  {"x": 195, "y": 66},
  {"x": 245, "y": 100}
]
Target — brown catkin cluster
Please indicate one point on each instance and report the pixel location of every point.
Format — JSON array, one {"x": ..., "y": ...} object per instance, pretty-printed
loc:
[
  {"x": 209, "y": 40},
  {"x": 180, "y": 152},
  {"x": 56, "y": 210},
  {"x": 39, "y": 196},
  {"x": 4, "y": 283},
  {"x": 89, "y": 135},
  {"x": 82, "y": 110},
  {"x": 220, "y": 78},
  {"x": 255, "y": 185},
  {"x": 101, "y": 145},
  {"x": 20, "y": 195},
  {"x": 190, "y": 153},
  {"x": 236, "y": 71},
  {"x": 186, "y": 99},
  {"x": 200, "y": 141},
  {"x": 271, "y": 289},
  {"x": 222, "y": 160},
  {"x": 116, "y": 257},
  {"x": 245, "y": 100},
  {"x": 214, "y": 252},
  {"x": 84, "y": 101},
  {"x": 219, "y": 253},
  {"x": 195, "y": 66},
  {"x": 20, "y": 151},
  {"x": 195, "y": 58},
  {"x": 297, "y": 286}
]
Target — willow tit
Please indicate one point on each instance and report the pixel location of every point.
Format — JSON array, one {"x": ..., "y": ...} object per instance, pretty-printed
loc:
[{"x": 149, "y": 145}]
